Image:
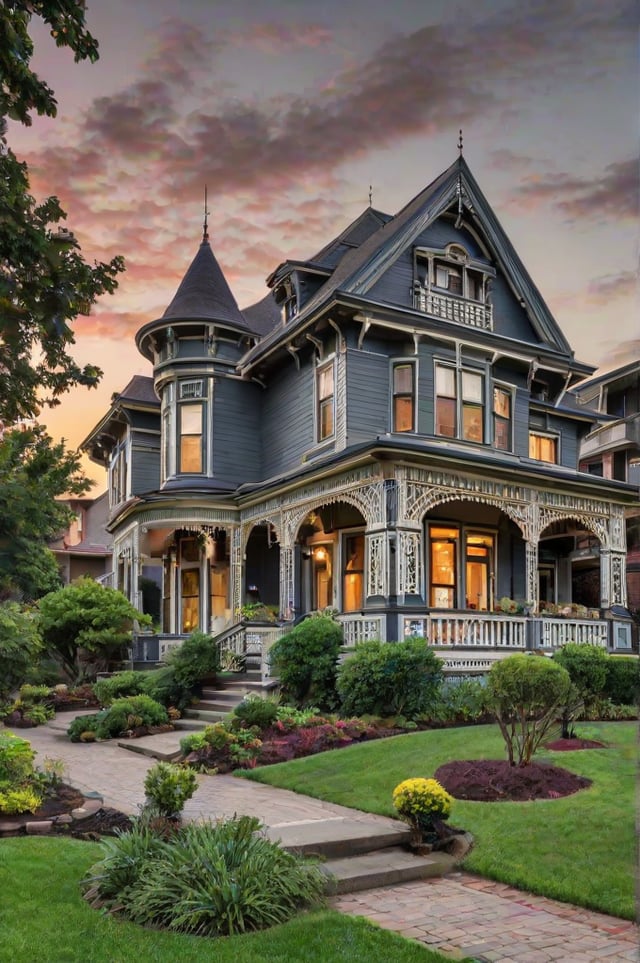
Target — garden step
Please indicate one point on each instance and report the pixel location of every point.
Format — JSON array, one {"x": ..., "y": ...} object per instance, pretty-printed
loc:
[
  {"x": 206, "y": 715},
  {"x": 386, "y": 867},
  {"x": 339, "y": 837},
  {"x": 232, "y": 697}
]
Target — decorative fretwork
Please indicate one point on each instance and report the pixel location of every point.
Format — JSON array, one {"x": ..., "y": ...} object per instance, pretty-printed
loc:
[
  {"x": 409, "y": 562},
  {"x": 237, "y": 568},
  {"x": 605, "y": 579},
  {"x": 179, "y": 518},
  {"x": 531, "y": 574},
  {"x": 376, "y": 565},
  {"x": 287, "y": 586},
  {"x": 368, "y": 499},
  {"x": 618, "y": 580},
  {"x": 618, "y": 529}
]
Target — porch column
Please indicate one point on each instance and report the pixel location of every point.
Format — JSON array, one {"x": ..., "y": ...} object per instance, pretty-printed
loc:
[
  {"x": 613, "y": 579},
  {"x": 377, "y": 564},
  {"x": 531, "y": 567},
  {"x": 236, "y": 573},
  {"x": 409, "y": 577},
  {"x": 287, "y": 582}
]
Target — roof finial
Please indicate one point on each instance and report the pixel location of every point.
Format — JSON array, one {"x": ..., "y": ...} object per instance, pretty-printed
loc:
[
  {"x": 370, "y": 195},
  {"x": 205, "y": 226},
  {"x": 460, "y": 141}
]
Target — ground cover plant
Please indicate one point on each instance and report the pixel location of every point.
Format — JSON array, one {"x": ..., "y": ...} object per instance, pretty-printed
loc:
[
  {"x": 579, "y": 848},
  {"x": 30, "y": 917},
  {"x": 135, "y": 715}
]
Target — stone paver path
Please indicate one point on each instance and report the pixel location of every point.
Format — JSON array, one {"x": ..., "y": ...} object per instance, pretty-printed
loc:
[{"x": 460, "y": 915}]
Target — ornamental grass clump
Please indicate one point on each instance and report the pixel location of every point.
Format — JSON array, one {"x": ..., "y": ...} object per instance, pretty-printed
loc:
[{"x": 422, "y": 803}]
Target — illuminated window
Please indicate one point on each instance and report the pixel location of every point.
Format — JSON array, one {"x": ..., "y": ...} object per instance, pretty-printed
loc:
[
  {"x": 403, "y": 397},
  {"x": 502, "y": 432},
  {"x": 191, "y": 438},
  {"x": 459, "y": 403},
  {"x": 325, "y": 396},
  {"x": 543, "y": 447},
  {"x": 353, "y": 574},
  {"x": 443, "y": 551}
]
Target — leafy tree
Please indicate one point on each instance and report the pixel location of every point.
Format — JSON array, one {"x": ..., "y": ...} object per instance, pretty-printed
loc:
[
  {"x": 86, "y": 615},
  {"x": 526, "y": 695},
  {"x": 44, "y": 285},
  {"x": 44, "y": 281},
  {"x": 20, "y": 645},
  {"x": 34, "y": 472}
]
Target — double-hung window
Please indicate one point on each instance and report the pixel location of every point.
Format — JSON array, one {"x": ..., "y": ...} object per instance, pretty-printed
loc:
[
  {"x": 325, "y": 401},
  {"x": 502, "y": 415},
  {"x": 190, "y": 448},
  {"x": 403, "y": 396},
  {"x": 543, "y": 446},
  {"x": 459, "y": 403}
]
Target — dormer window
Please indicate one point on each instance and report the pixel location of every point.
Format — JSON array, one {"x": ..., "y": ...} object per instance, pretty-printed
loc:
[
  {"x": 286, "y": 296},
  {"x": 451, "y": 285}
]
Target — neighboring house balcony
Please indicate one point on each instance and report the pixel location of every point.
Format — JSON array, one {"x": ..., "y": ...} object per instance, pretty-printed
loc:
[
  {"x": 451, "y": 307},
  {"x": 621, "y": 434}
]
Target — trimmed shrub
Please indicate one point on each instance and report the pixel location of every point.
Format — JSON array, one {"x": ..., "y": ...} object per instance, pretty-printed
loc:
[
  {"x": 419, "y": 801},
  {"x": 256, "y": 711},
  {"x": 205, "y": 879},
  {"x": 527, "y": 693},
  {"x": 20, "y": 646},
  {"x": 196, "y": 658},
  {"x": 622, "y": 685},
  {"x": 587, "y": 668},
  {"x": 305, "y": 662},
  {"x": 132, "y": 712},
  {"x": 168, "y": 787},
  {"x": 389, "y": 679},
  {"x": 126, "y": 683}
]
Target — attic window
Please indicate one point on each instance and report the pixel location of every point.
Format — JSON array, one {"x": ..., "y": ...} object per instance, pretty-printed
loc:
[
  {"x": 190, "y": 389},
  {"x": 450, "y": 285}
]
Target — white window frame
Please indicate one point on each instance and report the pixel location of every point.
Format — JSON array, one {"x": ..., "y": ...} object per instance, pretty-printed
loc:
[
  {"x": 321, "y": 367},
  {"x": 459, "y": 371},
  {"x": 508, "y": 390},
  {"x": 410, "y": 363}
]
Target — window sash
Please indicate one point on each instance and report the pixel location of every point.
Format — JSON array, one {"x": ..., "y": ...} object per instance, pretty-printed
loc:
[
  {"x": 460, "y": 403},
  {"x": 543, "y": 447},
  {"x": 403, "y": 397},
  {"x": 325, "y": 402},
  {"x": 502, "y": 423},
  {"x": 191, "y": 439}
]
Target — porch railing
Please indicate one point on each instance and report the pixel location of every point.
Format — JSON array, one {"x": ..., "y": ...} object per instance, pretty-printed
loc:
[
  {"x": 487, "y": 630},
  {"x": 362, "y": 628},
  {"x": 553, "y": 633}
]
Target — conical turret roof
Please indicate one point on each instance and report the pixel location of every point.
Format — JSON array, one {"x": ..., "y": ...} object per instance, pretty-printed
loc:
[{"x": 204, "y": 293}]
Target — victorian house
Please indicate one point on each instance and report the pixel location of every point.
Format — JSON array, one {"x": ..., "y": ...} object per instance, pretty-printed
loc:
[{"x": 389, "y": 432}]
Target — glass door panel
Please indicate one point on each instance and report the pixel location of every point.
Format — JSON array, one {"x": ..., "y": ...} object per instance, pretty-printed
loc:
[{"x": 190, "y": 585}]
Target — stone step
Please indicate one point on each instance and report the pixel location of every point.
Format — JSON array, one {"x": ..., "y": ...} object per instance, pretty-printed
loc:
[
  {"x": 225, "y": 696},
  {"x": 385, "y": 867},
  {"x": 206, "y": 715},
  {"x": 340, "y": 837}
]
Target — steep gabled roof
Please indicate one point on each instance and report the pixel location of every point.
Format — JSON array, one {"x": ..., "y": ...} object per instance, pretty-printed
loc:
[
  {"x": 360, "y": 267},
  {"x": 353, "y": 235},
  {"x": 204, "y": 294}
]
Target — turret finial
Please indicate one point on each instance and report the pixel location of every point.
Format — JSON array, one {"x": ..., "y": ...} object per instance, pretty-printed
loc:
[
  {"x": 460, "y": 141},
  {"x": 205, "y": 226}
]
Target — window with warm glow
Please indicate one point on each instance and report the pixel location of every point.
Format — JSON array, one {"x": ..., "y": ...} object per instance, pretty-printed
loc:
[
  {"x": 502, "y": 432},
  {"x": 325, "y": 396},
  {"x": 543, "y": 447},
  {"x": 353, "y": 574},
  {"x": 191, "y": 438},
  {"x": 459, "y": 403},
  {"x": 403, "y": 397},
  {"x": 443, "y": 550}
]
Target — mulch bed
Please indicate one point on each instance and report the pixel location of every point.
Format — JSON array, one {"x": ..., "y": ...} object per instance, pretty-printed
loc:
[
  {"x": 493, "y": 780},
  {"x": 103, "y": 822}
]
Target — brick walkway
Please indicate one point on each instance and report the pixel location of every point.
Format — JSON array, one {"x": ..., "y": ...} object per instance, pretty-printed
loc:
[{"x": 460, "y": 915}]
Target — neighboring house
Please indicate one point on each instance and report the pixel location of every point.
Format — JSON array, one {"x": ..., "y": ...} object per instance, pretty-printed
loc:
[
  {"x": 612, "y": 449},
  {"x": 86, "y": 547},
  {"x": 384, "y": 433}
]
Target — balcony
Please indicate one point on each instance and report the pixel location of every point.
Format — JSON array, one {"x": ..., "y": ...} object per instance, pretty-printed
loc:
[
  {"x": 452, "y": 307},
  {"x": 621, "y": 434}
]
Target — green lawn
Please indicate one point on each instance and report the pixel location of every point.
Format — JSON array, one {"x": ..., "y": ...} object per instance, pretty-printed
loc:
[
  {"x": 580, "y": 849},
  {"x": 42, "y": 916}
]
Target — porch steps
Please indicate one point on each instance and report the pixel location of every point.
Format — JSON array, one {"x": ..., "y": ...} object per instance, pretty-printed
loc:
[
  {"x": 359, "y": 854},
  {"x": 216, "y": 703}
]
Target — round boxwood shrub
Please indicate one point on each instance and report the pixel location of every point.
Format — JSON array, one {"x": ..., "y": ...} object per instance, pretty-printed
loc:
[
  {"x": 389, "y": 679},
  {"x": 305, "y": 661},
  {"x": 587, "y": 668},
  {"x": 622, "y": 685}
]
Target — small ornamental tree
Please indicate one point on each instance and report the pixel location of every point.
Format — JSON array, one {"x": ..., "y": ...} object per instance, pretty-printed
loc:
[
  {"x": 526, "y": 695},
  {"x": 305, "y": 661},
  {"x": 86, "y": 615}
]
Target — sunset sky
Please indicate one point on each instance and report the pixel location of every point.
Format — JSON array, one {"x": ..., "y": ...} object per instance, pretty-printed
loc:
[{"x": 288, "y": 110}]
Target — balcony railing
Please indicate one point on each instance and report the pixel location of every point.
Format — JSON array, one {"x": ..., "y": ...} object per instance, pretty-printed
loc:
[
  {"x": 451, "y": 307},
  {"x": 493, "y": 631},
  {"x": 362, "y": 628}
]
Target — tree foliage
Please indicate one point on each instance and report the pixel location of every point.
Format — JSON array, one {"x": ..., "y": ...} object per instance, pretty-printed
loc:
[
  {"x": 34, "y": 472},
  {"x": 527, "y": 694},
  {"x": 86, "y": 615},
  {"x": 20, "y": 645}
]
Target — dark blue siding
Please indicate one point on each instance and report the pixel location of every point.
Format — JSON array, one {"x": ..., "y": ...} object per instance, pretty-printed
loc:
[
  {"x": 287, "y": 418},
  {"x": 236, "y": 431},
  {"x": 368, "y": 401}
]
